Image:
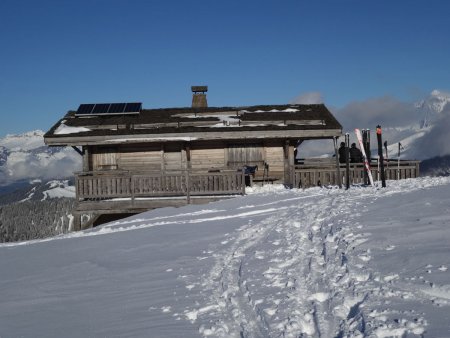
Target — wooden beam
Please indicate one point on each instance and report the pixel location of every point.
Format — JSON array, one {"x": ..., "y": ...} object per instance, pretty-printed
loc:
[
  {"x": 293, "y": 135},
  {"x": 187, "y": 148},
  {"x": 86, "y": 155},
  {"x": 338, "y": 170},
  {"x": 78, "y": 150}
]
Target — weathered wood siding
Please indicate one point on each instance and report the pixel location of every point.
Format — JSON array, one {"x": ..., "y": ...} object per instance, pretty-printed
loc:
[
  {"x": 202, "y": 156},
  {"x": 245, "y": 154},
  {"x": 205, "y": 156},
  {"x": 173, "y": 159},
  {"x": 104, "y": 158},
  {"x": 274, "y": 155},
  {"x": 140, "y": 157}
]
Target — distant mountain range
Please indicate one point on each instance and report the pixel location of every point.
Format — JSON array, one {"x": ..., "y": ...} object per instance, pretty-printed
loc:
[
  {"x": 25, "y": 158},
  {"x": 429, "y": 139},
  {"x": 36, "y": 190}
]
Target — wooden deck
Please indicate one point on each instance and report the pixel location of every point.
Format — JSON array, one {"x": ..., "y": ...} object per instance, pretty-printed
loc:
[
  {"x": 129, "y": 192},
  {"x": 324, "y": 172}
]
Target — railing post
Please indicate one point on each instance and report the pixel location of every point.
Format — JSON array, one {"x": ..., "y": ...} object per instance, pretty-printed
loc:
[
  {"x": 292, "y": 170},
  {"x": 132, "y": 189},
  {"x": 188, "y": 188},
  {"x": 338, "y": 168},
  {"x": 77, "y": 194},
  {"x": 243, "y": 180}
]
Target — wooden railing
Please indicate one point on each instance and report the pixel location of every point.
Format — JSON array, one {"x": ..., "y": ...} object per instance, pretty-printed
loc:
[
  {"x": 124, "y": 184},
  {"x": 315, "y": 173}
]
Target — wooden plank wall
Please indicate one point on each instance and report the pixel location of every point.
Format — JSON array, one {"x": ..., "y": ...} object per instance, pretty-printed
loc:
[
  {"x": 205, "y": 156},
  {"x": 104, "y": 158},
  {"x": 140, "y": 157},
  {"x": 274, "y": 155},
  {"x": 173, "y": 159},
  {"x": 245, "y": 154}
]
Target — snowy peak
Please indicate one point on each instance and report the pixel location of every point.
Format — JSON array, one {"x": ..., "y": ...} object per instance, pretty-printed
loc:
[
  {"x": 433, "y": 106},
  {"x": 438, "y": 100},
  {"x": 23, "y": 142},
  {"x": 25, "y": 156},
  {"x": 38, "y": 190},
  {"x": 435, "y": 102}
]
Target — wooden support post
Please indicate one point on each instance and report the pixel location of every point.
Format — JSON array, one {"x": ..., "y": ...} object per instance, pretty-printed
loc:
[
  {"x": 77, "y": 193},
  {"x": 76, "y": 221},
  {"x": 288, "y": 167},
  {"x": 338, "y": 169},
  {"x": 188, "y": 156},
  {"x": 86, "y": 152}
]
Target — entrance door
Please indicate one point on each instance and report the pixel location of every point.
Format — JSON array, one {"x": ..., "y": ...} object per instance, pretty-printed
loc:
[{"x": 245, "y": 154}]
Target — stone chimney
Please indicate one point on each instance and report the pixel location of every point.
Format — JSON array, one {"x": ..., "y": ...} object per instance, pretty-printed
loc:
[{"x": 199, "y": 96}]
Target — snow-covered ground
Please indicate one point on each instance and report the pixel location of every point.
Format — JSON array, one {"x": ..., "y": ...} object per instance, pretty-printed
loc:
[
  {"x": 59, "y": 188},
  {"x": 275, "y": 263}
]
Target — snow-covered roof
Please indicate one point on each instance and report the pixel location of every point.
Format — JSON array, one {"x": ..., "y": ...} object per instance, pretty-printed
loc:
[{"x": 185, "y": 122}]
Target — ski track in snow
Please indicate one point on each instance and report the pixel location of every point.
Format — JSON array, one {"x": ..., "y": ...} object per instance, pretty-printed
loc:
[
  {"x": 317, "y": 283},
  {"x": 296, "y": 268}
]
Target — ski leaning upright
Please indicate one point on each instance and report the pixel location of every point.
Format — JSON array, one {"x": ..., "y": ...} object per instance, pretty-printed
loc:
[{"x": 365, "y": 160}]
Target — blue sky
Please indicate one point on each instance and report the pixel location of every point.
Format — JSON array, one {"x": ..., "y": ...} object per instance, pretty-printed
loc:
[{"x": 58, "y": 54}]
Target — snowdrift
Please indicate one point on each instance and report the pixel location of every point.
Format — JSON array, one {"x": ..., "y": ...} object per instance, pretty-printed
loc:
[{"x": 314, "y": 263}]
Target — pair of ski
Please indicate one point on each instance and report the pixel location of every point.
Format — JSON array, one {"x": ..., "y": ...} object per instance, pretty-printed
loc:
[{"x": 365, "y": 159}]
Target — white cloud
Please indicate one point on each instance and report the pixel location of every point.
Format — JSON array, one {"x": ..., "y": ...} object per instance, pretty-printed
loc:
[
  {"x": 386, "y": 111},
  {"x": 23, "y": 165}
]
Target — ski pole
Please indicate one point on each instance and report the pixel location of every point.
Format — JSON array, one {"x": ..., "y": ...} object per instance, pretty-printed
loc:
[
  {"x": 380, "y": 158},
  {"x": 347, "y": 161},
  {"x": 398, "y": 161}
]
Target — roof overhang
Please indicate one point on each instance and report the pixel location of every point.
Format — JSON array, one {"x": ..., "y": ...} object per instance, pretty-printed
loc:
[{"x": 80, "y": 140}]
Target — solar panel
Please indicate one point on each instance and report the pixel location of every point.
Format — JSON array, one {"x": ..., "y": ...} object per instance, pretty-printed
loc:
[
  {"x": 134, "y": 107},
  {"x": 109, "y": 108},
  {"x": 116, "y": 108},
  {"x": 101, "y": 108},
  {"x": 85, "y": 109}
]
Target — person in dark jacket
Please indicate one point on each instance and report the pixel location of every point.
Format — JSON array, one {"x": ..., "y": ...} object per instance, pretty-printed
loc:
[
  {"x": 342, "y": 153},
  {"x": 355, "y": 154}
]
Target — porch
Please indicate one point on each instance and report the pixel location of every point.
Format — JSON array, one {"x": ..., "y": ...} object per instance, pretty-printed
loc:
[{"x": 316, "y": 172}]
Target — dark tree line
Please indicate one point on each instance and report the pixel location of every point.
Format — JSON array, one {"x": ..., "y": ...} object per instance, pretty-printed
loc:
[{"x": 35, "y": 219}]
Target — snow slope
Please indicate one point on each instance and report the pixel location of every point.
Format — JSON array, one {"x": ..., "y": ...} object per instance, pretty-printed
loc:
[{"x": 275, "y": 263}]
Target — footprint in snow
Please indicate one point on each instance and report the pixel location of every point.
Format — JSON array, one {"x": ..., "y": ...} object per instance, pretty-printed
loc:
[
  {"x": 166, "y": 309},
  {"x": 365, "y": 258}
]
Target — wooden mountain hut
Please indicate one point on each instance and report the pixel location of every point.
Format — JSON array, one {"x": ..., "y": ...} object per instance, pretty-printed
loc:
[{"x": 136, "y": 159}]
